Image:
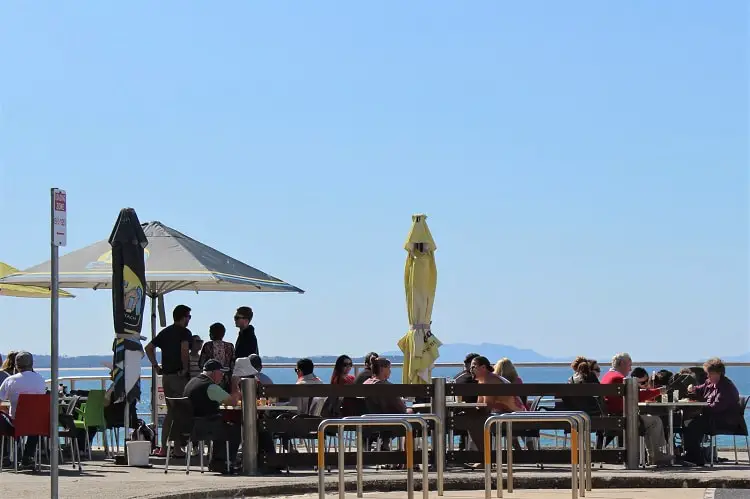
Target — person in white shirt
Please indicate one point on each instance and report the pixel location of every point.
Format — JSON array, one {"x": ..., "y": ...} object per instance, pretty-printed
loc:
[{"x": 25, "y": 381}]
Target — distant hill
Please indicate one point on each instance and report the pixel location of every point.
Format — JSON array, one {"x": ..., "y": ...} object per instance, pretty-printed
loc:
[{"x": 453, "y": 352}]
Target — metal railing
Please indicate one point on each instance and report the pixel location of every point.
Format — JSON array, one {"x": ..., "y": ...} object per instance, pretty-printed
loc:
[{"x": 359, "y": 422}]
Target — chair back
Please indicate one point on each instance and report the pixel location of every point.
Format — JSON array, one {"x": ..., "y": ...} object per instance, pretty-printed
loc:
[
  {"x": 94, "y": 415},
  {"x": 72, "y": 403},
  {"x": 32, "y": 416},
  {"x": 182, "y": 417}
]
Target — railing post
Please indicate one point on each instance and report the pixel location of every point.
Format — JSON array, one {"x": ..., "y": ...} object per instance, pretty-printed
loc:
[
  {"x": 438, "y": 409},
  {"x": 630, "y": 411},
  {"x": 249, "y": 427}
]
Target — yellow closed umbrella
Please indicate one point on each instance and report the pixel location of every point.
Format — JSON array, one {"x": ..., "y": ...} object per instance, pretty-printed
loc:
[
  {"x": 419, "y": 346},
  {"x": 22, "y": 291}
]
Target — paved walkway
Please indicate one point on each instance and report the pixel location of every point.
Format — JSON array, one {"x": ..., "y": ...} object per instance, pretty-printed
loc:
[
  {"x": 104, "y": 480},
  {"x": 551, "y": 494}
]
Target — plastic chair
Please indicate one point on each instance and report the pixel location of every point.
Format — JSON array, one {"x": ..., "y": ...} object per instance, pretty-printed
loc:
[
  {"x": 32, "y": 419},
  {"x": 92, "y": 416}
]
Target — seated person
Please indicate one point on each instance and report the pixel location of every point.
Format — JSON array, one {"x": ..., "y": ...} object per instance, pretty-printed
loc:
[
  {"x": 653, "y": 427},
  {"x": 206, "y": 396},
  {"x": 482, "y": 371},
  {"x": 590, "y": 405},
  {"x": 723, "y": 408},
  {"x": 381, "y": 372},
  {"x": 641, "y": 376},
  {"x": 25, "y": 381}
]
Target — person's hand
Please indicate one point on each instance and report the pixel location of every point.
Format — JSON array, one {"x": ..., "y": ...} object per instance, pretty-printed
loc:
[
  {"x": 157, "y": 369},
  {"x": 409, "y": 411},
  {"x": 691, "y": 389}
]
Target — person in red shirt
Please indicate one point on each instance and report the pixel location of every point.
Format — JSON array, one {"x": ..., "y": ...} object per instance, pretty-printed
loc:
[
  {"x": 341, "y": 371},
  {"x": 654, "y": 429}
]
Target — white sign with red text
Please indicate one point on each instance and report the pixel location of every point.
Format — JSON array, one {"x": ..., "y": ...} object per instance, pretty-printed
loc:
[{"x": 60, "y": 218}]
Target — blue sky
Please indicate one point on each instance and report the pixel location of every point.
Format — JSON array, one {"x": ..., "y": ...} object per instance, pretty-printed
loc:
[{"x": 583, "y": 164}]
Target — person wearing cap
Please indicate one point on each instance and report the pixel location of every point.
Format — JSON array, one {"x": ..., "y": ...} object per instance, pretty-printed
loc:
[
  {"x": 206, "y": 396},
  {"x": 25, "y": 381}
]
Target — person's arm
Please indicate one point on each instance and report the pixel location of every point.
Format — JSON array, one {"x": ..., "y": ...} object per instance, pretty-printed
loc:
[
  {"x": 4, "y": 389},
  {"x": 254, "y": 345},
  {"x": 151, "y": 354},
  {"x": 220, "y": 396},
  {"x": 648, "y": 394},
  {"x": 232, "y": 357},
  {"x": 185, "y": 356},
  {"x": 726, "y": 398},
  {"x": 204, "y": 356}
]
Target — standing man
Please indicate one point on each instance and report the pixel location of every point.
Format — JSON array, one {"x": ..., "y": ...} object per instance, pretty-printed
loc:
[
  {"x": 247, "y": 342},
  {"x": 174, "y": 343}
]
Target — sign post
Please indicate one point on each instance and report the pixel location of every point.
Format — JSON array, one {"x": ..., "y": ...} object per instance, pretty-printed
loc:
[{"x": 59, "y": 232}]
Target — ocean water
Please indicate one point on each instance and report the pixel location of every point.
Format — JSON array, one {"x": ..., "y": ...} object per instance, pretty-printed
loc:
[{"x": 740, "y": 376}]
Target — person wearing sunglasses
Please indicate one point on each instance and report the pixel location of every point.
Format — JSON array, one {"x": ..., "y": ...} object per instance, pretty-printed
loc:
[
  {"x": 247, "y": 342},
  {"x": 341, "y": 371}
]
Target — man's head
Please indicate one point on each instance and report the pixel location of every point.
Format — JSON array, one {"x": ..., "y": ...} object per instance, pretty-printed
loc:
[
  {"x": 480, "y": 367},
  {"x": 381, "y": 368},
  {"x": 622, "y": 363},
  {"x": 467, "y": 360},
  {"x": 181, "y": 315},
  {"x": 256, "y": 362},
  {"x": 594, "y": 367},
  {"x": 369, "y": 358},
  {"x": 304, "y": 367},
  {"x": 24, "y": 361},
  {"x": 640, "y": 375},
  {"x": 214, "y": 370},
  {"x": 216, "y": 331},
  {"x": 714, "y": 369},
  {"x": 196, "y": 343},
  {"x": 242, "y": 317}
]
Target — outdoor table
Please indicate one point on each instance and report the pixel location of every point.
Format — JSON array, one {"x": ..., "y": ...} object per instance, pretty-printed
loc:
[{"x": 670, "y": 408}]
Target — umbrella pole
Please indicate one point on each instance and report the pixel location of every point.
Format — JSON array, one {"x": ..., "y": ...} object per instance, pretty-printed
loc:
[{"x": 154, "y": 388}]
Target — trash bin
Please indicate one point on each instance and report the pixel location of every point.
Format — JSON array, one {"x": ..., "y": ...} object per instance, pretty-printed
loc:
[{"x": 138, "y": 452}]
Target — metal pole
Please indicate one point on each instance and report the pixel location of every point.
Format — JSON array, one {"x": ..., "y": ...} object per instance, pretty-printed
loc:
[
  {"x": 360, "y": 463},
  {"x": 438, "y": 439},
  {"x": 499, "y": 458},
  {"x": 509, "y": 446},
  {"x": 632, "y": 444},
  {"x": 154, "y": 388},
  {"x": 249, "y": 427},
  {"x": 321, "y": 461},
  {"x": 342, "y": 463},
  {"x": 426, "y": 463},
  {"x": 54, "y": 352}
]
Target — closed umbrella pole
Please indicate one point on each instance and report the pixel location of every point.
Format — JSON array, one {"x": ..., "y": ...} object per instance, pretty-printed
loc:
[
  {"x": 128, "y": 242},
  {"x": 419, "y": 345}
]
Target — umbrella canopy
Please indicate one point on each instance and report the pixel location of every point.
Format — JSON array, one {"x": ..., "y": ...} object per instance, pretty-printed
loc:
[
  {"x": 173, "y": 261},
  {"x": 24, "y": 291},
  {"x": 419, "y": 346}
]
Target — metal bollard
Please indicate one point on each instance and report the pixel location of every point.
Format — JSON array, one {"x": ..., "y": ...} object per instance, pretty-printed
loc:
[
  {"x": 521, "y": 417},
  {"x": 359, "y": 422},
  {"x": 249, "y": 427},
  {"x": 439, "y": 410},
  {"x": 422, "y": 420},
  {"x": 632, "y": 440},
  {"x": 582, "y": 444}
]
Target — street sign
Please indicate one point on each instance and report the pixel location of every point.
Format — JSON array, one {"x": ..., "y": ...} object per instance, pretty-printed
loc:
[{"x": 60, "y": 218}]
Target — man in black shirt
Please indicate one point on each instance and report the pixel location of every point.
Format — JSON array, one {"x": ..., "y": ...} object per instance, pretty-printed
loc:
[
  {"x": 465, "y": 376},
  {"x": 174, "y": 343},
  {"x": 247, "y": 342},
  {"x": 367, "y": 371}
]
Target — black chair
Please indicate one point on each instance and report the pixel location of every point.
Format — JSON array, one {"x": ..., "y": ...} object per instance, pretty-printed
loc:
[
  {"x": 736, "y": 429},
  {"x": 207, "y": 429},
  {"x": 69, "y": 432},
  {"x": 181, "y": 427}
]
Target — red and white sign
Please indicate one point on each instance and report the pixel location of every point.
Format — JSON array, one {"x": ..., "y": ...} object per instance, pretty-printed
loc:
[{"x": 59, "y": 218}]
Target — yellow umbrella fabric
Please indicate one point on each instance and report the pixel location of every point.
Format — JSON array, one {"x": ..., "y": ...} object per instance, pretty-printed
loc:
[
  {"x": 22, "y": 291},
  {"x": 419, "y": 346}
]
